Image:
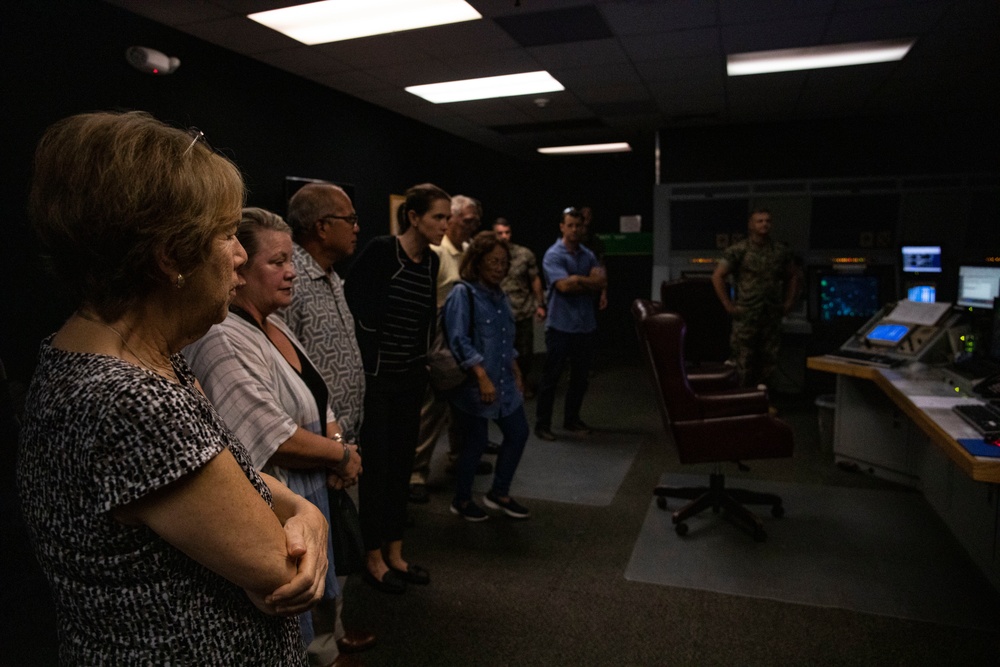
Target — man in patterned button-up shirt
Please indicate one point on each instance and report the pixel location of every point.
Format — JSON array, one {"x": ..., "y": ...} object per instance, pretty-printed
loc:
[{"x": 325, "y": 229}]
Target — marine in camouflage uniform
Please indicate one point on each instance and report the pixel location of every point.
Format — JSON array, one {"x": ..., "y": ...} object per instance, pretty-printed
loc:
[
  {"x": 766, "y": 285},
  {"x": 523, "y": 286}
]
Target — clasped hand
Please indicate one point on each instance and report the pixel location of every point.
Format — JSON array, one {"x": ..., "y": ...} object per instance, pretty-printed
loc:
[
  {"x": 305, "y": 540},
  {"x": 342, "y": 477}
]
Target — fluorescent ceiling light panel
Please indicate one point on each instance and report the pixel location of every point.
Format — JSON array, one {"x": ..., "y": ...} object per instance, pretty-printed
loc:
[
  {"x": 816, "y": 57},
  {"x": 336, "y": 20},
  {"x": 619, "y": 147},
  {"x": 507, "y": 85}
]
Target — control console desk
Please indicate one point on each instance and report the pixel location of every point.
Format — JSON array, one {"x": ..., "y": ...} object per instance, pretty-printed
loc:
[{"x": 897, "y": 423}]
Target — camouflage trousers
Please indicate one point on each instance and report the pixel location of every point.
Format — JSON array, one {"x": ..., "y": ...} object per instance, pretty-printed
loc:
[{"x": 755, "y": 343}]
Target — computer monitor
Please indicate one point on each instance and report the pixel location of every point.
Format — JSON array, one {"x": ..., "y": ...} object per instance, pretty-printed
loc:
[
  {"x": 847, "y": 295},
  {"x": 921, "y": 259},
  {"x": 978, "y": 286},
  {"x": 922, "y": 293}
]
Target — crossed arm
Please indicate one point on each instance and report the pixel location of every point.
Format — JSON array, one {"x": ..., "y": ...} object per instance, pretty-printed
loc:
[
  {"x": 216, "y": 517},
  {"x": 595, "y": 281}
]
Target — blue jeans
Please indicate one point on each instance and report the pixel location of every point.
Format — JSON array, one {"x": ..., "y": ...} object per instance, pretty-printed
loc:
[
  {"x": 515, "y": 433},
  {"x": 560, "y": 347}
]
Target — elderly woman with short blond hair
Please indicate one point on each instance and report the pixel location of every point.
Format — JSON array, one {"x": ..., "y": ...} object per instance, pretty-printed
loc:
[{"x": 161, "y": 542}]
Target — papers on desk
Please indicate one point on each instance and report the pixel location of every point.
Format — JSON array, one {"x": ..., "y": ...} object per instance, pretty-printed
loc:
[
  {"x": 931, "y": 402},
  {"x": 916, "y": 312}
]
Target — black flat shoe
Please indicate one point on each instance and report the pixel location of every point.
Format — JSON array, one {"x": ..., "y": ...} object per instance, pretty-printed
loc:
[
  {"x": 392, "y": 582},
  {"x": 413, "y": 574}
]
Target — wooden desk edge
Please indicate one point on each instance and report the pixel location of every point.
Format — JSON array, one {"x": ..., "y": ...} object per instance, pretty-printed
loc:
[
  {"x": 980, "y": 469},
  {"x": 841, "y": 367}
]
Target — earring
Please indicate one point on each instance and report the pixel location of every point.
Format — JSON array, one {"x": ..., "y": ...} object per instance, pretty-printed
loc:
[{"x": 180, "y": 281}]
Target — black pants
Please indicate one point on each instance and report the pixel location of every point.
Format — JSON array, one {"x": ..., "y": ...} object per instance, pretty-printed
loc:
[
  {"x": 560, "y": 347},
  {"x": 388, "y": 441}
]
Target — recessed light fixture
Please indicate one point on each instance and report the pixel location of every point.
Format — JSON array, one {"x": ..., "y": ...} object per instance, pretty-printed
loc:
[
  {"x": 619, "y": 147},
  {"x": 816, "y": 57},
  {"x": 507, "y": 85},
  {"x": 336, "y": 20}
]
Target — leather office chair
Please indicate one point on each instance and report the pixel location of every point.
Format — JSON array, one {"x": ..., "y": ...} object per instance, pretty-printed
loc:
[
  {"x": 730, "y": 425},
  {"x": 708, "y": 323},
  {"x": 704, "y": 377}
]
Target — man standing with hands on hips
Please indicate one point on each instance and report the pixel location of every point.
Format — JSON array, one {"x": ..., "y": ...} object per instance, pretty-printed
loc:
[
  {"x": 767, "y": 284},
  {"x": 574, "y": 276}
]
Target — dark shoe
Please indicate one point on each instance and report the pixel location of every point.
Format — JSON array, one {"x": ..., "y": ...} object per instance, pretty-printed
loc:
[
  {"x": 492, "y": 448},
  {"x": 419, "y": 494},
  {"x": 469, "y": 511},
  {"x": 482, "y": 468},
  {"x": 355, "y": 641},
  {"x": 578, "y": 427},
  {"x": 413, "y": 574},
  {"x": 391, "y": 582},
  {"x": 545, "y": 433},
  {"x": 510, "y": 506}
]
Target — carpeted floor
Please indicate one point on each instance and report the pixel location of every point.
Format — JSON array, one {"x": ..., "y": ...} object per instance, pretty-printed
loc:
[
  {"x": 858, "y": 549},
  {"x": 552, "y": 591},
  {"x": 590, "y": 468}
]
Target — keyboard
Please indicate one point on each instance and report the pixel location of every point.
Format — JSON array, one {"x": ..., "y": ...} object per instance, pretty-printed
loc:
[
  {"x": 983, "y": 418},
  {"x": 869, "y": 358}
]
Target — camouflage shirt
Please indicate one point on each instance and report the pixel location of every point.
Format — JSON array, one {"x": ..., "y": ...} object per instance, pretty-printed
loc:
[
  {"x": 760, "y": 273},
  {"x": 517, "y": 284}
]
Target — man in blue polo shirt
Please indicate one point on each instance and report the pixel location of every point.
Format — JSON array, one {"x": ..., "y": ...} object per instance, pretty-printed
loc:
[{"x": 573, "y": 276}]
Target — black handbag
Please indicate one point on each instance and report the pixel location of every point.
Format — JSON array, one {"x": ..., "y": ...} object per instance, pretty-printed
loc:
[
  {"x": 345, "y": 533},
  {"x": 445, "y": 371}
]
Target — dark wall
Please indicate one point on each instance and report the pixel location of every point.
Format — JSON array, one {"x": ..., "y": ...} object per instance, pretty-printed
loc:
[
  {"x": 953, "y": 143},
  {"x": 65, "y": 57}
]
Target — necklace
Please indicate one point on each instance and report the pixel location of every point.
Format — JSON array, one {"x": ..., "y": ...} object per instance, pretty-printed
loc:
[{"x": 166, "y": 370}]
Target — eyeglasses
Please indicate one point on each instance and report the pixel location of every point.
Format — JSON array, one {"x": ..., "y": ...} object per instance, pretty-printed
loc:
[
  {"x": 351, "y": 219},
  {"x": 196, "y": 136},
  {"x": 497, "y": 263}
]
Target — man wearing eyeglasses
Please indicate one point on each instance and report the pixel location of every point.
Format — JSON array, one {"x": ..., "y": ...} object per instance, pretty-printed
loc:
[
  {"x": 435, "y": 414},
  {"x": 574, "y": 277},
  {"x": 325, "y": 230}
]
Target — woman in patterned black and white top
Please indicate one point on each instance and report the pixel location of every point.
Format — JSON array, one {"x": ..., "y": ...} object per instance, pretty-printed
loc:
[{"x": 161, "y": 543}]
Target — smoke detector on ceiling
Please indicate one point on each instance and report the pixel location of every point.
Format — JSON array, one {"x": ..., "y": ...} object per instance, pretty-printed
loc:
[{"x": 151, "y": 61}]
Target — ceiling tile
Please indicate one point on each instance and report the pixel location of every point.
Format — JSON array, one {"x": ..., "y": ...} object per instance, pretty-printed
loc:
[
  {"x": 638, "y": 17},
  {"x": 573, "y": 24},
  {"x": 677, "y": 44},
  {"x": 241, "y": 35}
]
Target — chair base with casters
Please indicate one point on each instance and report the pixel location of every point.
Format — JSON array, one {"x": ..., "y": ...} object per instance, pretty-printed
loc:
[{"x": 717, "y": 497}]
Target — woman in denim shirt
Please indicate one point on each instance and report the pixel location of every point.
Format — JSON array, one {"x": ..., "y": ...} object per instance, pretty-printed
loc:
[{"x": 493, "y": 389}]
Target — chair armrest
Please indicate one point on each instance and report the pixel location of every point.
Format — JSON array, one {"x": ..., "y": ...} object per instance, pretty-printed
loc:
[{"x": 733, "y": 403}]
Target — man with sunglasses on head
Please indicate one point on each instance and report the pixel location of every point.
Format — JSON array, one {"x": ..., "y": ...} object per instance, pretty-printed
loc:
[
  {"x": 325, "y": 231},
  {"x": 573, "y": 276}
]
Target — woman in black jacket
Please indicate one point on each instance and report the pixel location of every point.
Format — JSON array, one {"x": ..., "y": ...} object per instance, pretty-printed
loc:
[{"x": 390, "y": 290}]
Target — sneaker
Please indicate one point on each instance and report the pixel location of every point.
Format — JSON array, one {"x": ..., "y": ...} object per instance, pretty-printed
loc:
[
  {"x": 545, "y": 433},
  {"x": 470, "y": 511},
  {"x": 578, "y": 427},
  {"x": 510, "y": 506}
]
